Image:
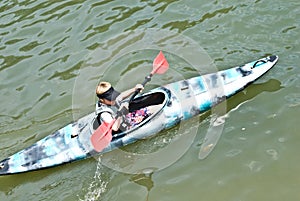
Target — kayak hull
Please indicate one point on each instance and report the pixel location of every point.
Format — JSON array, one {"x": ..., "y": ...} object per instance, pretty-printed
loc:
[{"x": 179, "y": 101}]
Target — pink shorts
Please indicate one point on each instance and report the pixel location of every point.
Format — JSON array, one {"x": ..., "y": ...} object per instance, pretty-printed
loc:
[{"x": 136, "y": 117}]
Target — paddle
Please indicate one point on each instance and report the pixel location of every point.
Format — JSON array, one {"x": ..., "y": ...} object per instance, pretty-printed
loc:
[
  {"x": 160, "y": 66},
  {"x": 103, "y": 135}
]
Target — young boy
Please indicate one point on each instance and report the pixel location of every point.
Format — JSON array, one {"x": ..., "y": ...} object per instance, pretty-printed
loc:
[{"x": 109, "y": 101}]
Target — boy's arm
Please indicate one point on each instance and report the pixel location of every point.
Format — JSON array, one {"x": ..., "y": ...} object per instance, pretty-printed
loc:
[{"x": 128, "y": 92}]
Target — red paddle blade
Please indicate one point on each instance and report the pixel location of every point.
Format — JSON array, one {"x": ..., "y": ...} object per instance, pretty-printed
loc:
[
  {"x": 102, "y": 136},
  {"x": 160, "y": 64}
]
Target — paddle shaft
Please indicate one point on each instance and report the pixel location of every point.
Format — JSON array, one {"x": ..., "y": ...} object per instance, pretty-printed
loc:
[
  {"x": 147, "y": 79},
  {"x": 160, "y": 65}
]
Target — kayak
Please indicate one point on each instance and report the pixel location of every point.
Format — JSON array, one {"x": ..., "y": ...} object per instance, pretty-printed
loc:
[{"x": 171, "y": 104}]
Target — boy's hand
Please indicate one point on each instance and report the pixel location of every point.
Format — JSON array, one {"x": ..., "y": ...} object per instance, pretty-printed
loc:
[
  {"x": 139, "y": 87},
  {"x": 124, "y": 109}
]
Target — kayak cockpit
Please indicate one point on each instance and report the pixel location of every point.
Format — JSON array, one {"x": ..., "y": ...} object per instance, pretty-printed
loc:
[
  {"x": 151, "y": 99},
  {"x": 140, "y": 109}
]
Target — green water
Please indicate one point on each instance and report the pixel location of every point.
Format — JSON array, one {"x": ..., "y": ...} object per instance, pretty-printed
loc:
[{"x": 49, "y": 66}]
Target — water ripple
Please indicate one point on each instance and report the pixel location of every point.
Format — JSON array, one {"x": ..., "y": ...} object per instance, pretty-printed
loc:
[
  {"x": 182, "y": 25},
  {"x": 67, "y": 74},
  {"x": 31, "y": 46},
  {"x": 119, "y": 14},
  {"x": 11, "y": 60},
  {"x": 255, "y": 166}
]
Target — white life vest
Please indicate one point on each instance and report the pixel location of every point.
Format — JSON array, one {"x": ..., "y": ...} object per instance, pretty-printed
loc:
[{"x": 101, "y": 108}]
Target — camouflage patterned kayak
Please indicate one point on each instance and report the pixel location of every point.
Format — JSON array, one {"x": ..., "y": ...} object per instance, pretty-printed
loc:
[{"x": 172, "y": 103}]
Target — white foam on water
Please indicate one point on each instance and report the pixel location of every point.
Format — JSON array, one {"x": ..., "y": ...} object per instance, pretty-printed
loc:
[{"x": 97, "y": 186}]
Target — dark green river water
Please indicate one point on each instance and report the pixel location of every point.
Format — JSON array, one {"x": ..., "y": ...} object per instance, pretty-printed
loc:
[{"x": 53, "y": 54}]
